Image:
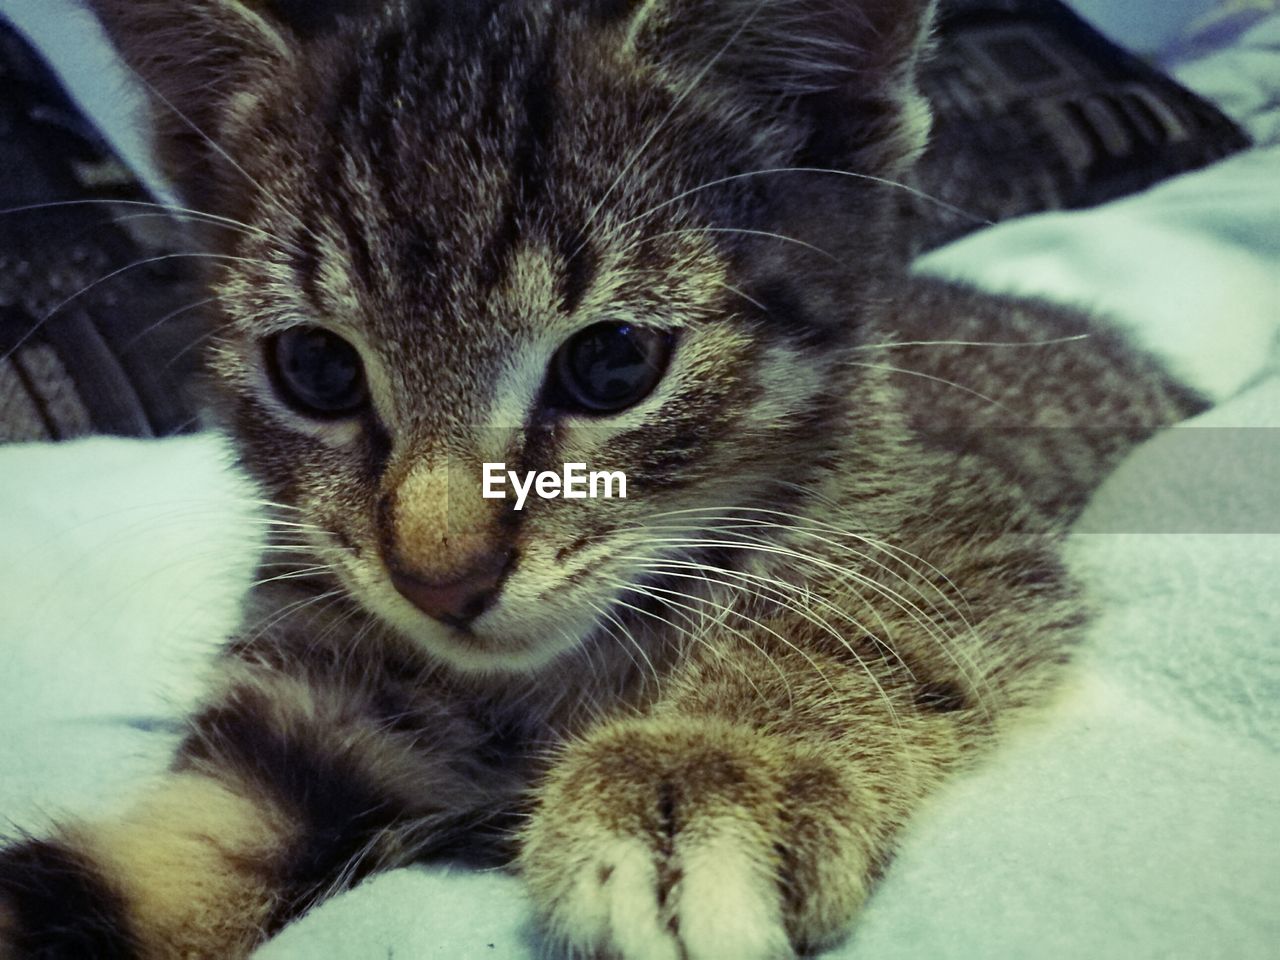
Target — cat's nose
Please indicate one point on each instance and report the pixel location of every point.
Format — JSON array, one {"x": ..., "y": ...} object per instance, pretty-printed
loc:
[{"x": 459, "y": 601}]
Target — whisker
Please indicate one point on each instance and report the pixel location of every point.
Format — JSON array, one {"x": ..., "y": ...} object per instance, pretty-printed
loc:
[
  {"x": 739, "y": 230},
  {"x": 110, "y": 276},
  {"x": 751, "y": 300},
  {"x": 944, "y": 641},
  {"x": 161, "y": 209},
  {"x": 896, "y": 551},
  {"x": 633, "y": 644},
  {"x": 650, "y": 590},
  {"x": 779, "y": 587},
  {"x": 334, "y": 625},
  {"x": 935, "y": 379},
  {"x": 807, "y": 526},
  {"x": 137, "y": 338},
  {"x": 693, "y": 637},
  {"x": 276, "y": 504},
  {"x": 213, "y": 144},
  {"x": 896, "y": 184},
  {"x": 279, "y": 615},
  {"x": 798, "y": 522},
  {"x": 195, "y": 342},
  {"x": 806, "y": 615},
  {"x": 305, "y": 573},
  {"x": 1056, "y": 341}
]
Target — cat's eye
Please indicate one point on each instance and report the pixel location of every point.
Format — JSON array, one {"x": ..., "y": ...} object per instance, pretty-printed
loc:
[
  {"x": 317, "y": 372},
  {"x": 609, "y": 366}
]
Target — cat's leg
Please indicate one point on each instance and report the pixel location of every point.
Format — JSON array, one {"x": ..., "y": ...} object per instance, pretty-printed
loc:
[
  {"x": 188, "y": 872},
  {"x": 746, "y": 817},
  {"x": 286, "y": 790}
]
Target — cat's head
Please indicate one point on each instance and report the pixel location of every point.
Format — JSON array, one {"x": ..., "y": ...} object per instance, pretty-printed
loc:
[{"x": 533, "y": 233}]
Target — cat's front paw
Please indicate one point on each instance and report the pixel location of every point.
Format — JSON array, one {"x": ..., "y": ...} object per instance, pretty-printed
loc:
[
  {"x": 714, "y": 898},
  {"x": 666, "y": 840}
]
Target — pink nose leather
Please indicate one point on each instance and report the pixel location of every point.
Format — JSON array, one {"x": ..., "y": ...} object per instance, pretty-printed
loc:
[{"x": 455, "y": 602}]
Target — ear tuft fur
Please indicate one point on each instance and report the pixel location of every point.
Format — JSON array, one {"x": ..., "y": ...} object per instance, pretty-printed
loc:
[
  {"x": 846, "y": 69},
  {"x": 196, "y": 57}
]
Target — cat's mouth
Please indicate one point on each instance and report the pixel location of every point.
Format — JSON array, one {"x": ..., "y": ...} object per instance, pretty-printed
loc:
[
  {"x": 469, "y": 647},
  {"x": 496, "y": 618},
  {"x": 503, "y": 637},
  {"x": 459, "y": 601}
]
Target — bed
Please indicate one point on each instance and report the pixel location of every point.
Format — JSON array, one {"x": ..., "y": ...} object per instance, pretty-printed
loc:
[{"x": 1139, "y": 819}]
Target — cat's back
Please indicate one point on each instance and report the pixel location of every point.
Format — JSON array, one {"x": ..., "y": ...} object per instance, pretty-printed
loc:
[{"x": 1051, "y": 395}]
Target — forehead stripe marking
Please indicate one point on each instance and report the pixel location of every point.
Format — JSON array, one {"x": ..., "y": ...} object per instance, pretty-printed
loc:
[
  {"x": 580, "y": 264},
  {"x": 529, "y": 164}
]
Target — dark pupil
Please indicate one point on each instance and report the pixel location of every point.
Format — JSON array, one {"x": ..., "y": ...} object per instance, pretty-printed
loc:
[
  {"x": 611, "y": 364},
  {"x": 323, "y": 370}
]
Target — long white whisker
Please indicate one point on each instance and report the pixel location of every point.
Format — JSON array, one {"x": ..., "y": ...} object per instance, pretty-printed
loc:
[
  {"x": 947, "y": 643},
  {"x": 779, "y": 588},
  {"x": 303, "y": 574},
  {"x": 897, "y": 599},
  {"x": 942, "y": 380},
  {"x": 281, "y": 614},
  {"x": 632, "y": 644},
  {"x": 895, "y": 551},
  {"x": 101, "y": 280},
  {"x": 650, "y": 590},
  {"x": 1056, "y": 341},
  {"x": 213, "y": 144},
  {"x": 807, "y": 527},
  {"x": 694, "y": 637},
  {"x": 751, "y": 300},
  {"x": 914, "y": 191},
  {"x": 163, "y": 209},
  {"x": 753, "y": 233},
  {"x": 975, "y": 675},
  {"x": 173, "y": 314},
  {"x": 804, "y": 614},
  {"x": 195, "y": 342}
]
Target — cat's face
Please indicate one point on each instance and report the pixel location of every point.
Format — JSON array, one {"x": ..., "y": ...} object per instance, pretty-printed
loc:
[{"x": 507, "y": 235}]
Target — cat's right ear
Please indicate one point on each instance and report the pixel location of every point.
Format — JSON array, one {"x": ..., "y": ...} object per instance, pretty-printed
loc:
[
  {"x": 831, "y": 83},
  {"x": 200, "y": 61}
]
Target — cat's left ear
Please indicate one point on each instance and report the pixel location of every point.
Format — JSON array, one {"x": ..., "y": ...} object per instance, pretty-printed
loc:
[
  {"x": 833, "y": 81},
  {"x": 198, "y": 60}
]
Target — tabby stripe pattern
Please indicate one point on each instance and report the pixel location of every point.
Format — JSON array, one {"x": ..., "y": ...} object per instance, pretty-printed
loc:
[{"x": 59, "y": 906}]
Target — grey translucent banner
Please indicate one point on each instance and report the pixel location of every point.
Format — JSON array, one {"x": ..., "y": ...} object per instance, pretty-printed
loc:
[{"x": 1187, "y": 480}]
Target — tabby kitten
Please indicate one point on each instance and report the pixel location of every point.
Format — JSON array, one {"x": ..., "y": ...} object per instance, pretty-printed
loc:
[{"x": 649, "y": 236}]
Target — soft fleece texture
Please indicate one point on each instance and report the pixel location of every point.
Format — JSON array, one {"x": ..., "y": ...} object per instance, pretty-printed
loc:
[{"x": 1140, "y": 819}]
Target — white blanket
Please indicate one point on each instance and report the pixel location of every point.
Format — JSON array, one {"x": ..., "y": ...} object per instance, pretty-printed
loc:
[{"x": 1141, "y": 820}]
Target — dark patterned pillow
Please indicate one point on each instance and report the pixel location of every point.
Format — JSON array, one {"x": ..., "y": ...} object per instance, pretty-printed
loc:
[
  {"x": 1035, "y": 110},
  {"x": 100, "y": 322},
  {"x": 94, "y": 337}
]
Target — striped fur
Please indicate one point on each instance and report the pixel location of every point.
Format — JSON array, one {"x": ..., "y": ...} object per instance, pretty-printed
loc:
[{"x": 694, "y": 719}]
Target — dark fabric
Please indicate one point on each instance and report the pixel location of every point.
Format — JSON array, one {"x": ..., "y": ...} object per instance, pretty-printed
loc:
[
  {"x": 1034, "y": 110},
  {"x": 82, "y": 351}
]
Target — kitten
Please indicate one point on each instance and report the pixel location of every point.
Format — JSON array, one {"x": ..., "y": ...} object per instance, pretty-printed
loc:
[{"x": 650, "y": 237}]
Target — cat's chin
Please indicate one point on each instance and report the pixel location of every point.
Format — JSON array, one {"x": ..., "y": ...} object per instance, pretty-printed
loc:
[
  {"x": 474, "y": 653},
  {"x": 483, "y": 651}
]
